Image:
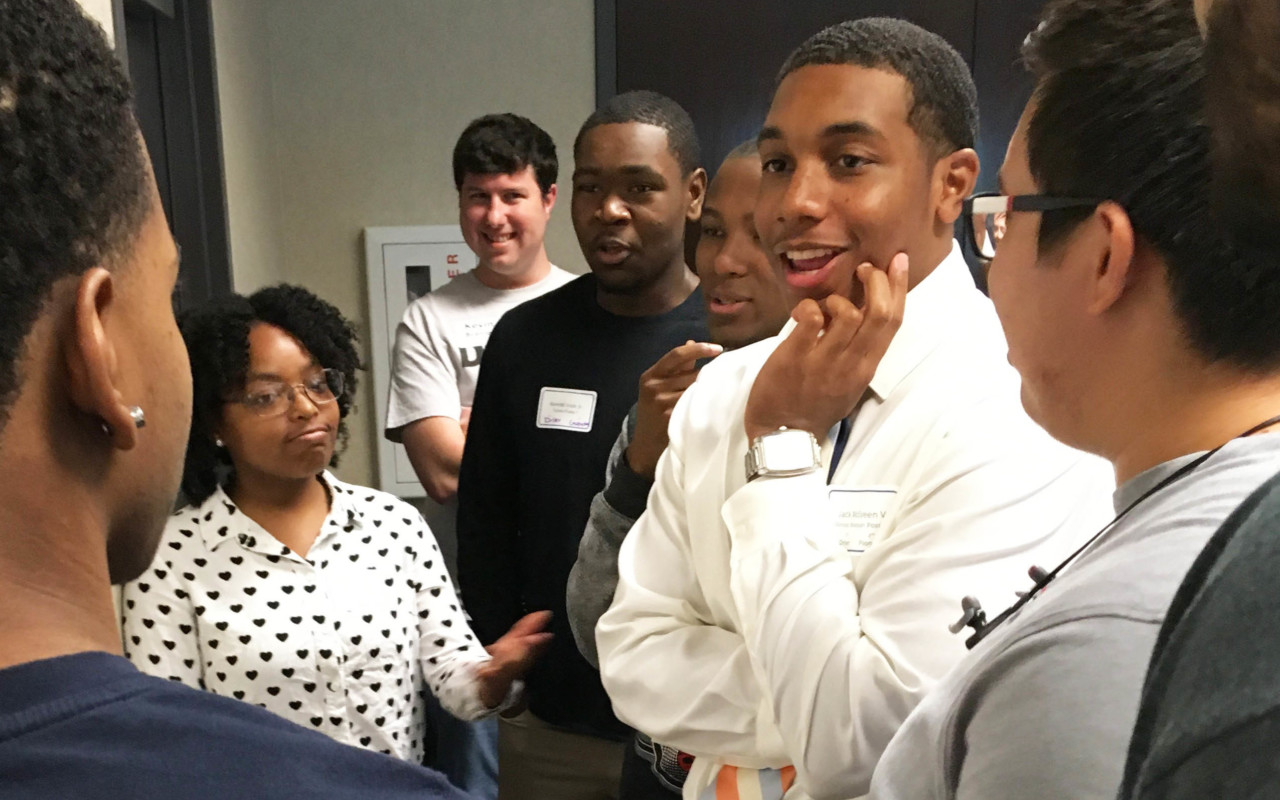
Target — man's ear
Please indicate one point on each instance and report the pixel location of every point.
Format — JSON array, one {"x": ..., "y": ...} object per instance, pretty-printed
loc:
[
  {"x": 91, "y": 360},
  {"x": 1113, "y": 267},
  {"x": 549, "y": 199},
  {"x": 697, "y": 193},
  {"x": 954, "y": 175}
]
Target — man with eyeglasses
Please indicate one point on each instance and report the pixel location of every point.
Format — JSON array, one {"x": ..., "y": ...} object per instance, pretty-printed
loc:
[
  {"x": 1207, "y": 723},
  {"x": 1142, "y": 334},
  {"x": 830, "y": 494}
]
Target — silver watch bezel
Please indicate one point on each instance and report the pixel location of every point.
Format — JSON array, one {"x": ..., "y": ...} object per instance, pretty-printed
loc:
[{"x": 757, "y": 467}]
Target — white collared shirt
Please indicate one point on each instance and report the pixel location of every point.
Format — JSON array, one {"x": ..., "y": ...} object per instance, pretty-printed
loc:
[
  {"x": 770, "y": 624},
  {"x": 343, "y": 641}
]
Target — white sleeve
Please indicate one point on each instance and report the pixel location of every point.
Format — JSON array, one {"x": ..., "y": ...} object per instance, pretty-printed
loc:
[
  {"x": 448, "y": 648},
  {"x": 424, "y": 382},
  {"x": 659, "y": 622},
  {"x": 844, "y": 670}
]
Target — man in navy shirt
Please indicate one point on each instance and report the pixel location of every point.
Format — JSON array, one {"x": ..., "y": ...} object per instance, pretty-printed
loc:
[
  {"x": 95, "y": 408},
  {"x": 559, "y": 375}
]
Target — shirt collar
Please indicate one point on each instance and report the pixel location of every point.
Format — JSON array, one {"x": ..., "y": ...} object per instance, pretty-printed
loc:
[
  {"x": 220, "y": 521},
  {"x": 930, "y": 311}
]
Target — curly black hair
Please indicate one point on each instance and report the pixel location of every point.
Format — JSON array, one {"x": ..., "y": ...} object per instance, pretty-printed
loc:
[
  {"x": 655, "y": 109},
  {"x": 504, "y": 144},
  {"x": 217, "y": 339},
  {"x": 74, "y": 190},
  {"x": 944, "y": 99}
]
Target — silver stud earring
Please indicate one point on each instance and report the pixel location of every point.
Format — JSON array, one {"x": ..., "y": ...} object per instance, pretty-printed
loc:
[
  {"x": 217, "y": 442},
  {"x": 139, "y": 418}
]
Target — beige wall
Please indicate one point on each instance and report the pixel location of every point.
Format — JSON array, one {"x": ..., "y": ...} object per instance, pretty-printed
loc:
[
  {"x": 101, "y": 11},
  {"x": 343, "y": 115}
]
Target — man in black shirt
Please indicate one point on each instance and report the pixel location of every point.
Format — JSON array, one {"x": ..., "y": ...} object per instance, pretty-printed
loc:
[
  {"x": 559, "y": 374},
  {"x": 95, "y": 411}
]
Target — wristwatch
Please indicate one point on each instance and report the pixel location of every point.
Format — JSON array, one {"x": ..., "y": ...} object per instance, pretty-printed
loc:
[{"x": 783, "y": 453}]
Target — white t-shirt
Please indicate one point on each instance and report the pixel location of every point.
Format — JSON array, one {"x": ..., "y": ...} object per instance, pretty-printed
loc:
[{"x": 440, "y": 340}]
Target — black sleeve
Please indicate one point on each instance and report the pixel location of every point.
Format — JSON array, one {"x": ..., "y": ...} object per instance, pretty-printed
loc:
[
  {"x": 1242, "y": 764},
  {"x": 488, "y": 534}
]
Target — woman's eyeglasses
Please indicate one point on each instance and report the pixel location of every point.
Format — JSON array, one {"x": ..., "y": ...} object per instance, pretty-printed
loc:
[{"x": 271, "y": 398}]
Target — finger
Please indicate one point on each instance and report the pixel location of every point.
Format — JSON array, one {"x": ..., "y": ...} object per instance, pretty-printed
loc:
[
  {"x": 683, "y": 358},
  {"x": 844, "y": 319},
  {"x": 809, "y": 323},
  {"x": 530, "y": 624},
  {"x": 885, "y": 296},
  {"x": 676, "y": 383}
]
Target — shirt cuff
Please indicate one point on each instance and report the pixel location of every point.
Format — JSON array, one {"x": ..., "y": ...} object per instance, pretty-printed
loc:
[
  {"x": 627, "y": 492},
  {"x": 769, "y": 508}
]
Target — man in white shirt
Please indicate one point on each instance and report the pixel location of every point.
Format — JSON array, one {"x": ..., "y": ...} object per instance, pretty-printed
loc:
[
  {"x": 779, "y": 622},
  {"x": 505, "y": 170}
]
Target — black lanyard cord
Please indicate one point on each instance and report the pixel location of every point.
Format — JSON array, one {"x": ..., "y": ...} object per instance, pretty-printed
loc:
[{"x": 973, "y": 611}]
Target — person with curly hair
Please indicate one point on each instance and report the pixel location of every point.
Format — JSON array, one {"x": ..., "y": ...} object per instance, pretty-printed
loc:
[{"x": 277, "y": 584}]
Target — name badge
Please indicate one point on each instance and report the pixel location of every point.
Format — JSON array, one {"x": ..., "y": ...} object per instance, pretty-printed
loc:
[
  {"x": 566, "y": 409},
  {"x": 859, "y": 515}
]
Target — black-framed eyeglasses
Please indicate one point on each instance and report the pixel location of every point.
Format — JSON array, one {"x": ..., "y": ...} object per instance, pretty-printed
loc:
[
  {"x": 986, "y": 213},
  {"x": 269, "y": 398}
]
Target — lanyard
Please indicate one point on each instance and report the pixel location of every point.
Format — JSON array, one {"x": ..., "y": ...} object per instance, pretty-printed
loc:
[{"x": 975, "y": 618}]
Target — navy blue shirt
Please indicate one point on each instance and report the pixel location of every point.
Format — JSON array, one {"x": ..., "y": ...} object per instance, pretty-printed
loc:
[
  {"x": 91, "y": 726},
  {"x": 526, "y": 486}
]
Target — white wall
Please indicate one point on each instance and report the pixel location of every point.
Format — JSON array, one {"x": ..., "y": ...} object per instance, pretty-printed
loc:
[
  {"x": 344, "y": 114},
  {"x": 101, "y": 11}
]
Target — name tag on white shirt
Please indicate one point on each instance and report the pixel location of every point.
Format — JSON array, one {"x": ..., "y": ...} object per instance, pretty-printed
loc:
[
  {"x": 859, "y": 515},
  {"x": 566, "y": 409}
]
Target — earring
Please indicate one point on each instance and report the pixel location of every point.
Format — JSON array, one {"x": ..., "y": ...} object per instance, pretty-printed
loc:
[
  {"x": 217, "y": 442},
  {"x": 139, "y": 418}
]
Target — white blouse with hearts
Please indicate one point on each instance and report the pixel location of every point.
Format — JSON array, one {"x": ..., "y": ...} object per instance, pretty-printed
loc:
[{"x": 342, "y": 641}]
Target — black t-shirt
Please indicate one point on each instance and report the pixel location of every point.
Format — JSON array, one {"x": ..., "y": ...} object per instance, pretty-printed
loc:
[
  {"x": 558, "y": 377},
  {"x": 92, "y": 727},
  {"x": 1209, "y": 722}
]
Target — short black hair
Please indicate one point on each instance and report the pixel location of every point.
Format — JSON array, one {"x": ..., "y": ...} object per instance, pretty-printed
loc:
[
  {"x": 1119, "y": 115},
  {"x": 650, "y": 108},
  {"x": 217, "y": 339},
  {"x": 944, "y": 100},
  {"x": 504, "y": 144},
  {"x": 73, "y": 178},
  {"x": 1243, "y": 67}
]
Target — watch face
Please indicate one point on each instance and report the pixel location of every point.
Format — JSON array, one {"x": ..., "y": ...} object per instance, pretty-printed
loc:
[{"x": 787, "y": 450}]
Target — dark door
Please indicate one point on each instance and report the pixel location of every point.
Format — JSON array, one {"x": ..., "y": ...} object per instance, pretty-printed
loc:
[
  {"x": 168, "y": 48},
  {"x": 719, "y": 58}
]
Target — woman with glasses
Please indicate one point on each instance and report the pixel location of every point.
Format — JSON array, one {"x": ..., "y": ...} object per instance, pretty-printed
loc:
[{"x": 277, "y": 584}]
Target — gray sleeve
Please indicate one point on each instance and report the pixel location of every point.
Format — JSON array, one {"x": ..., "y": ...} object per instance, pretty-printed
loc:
[
  {"x": 1051, "y": 716},
  {"x": 594, "y": 576}
]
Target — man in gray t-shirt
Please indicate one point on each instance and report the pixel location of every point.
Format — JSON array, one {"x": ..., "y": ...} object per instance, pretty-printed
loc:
[{"x": 1141, "y": 335}]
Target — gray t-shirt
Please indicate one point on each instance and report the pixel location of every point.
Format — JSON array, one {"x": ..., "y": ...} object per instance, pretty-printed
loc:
[{"x": 1044, "y": 706}]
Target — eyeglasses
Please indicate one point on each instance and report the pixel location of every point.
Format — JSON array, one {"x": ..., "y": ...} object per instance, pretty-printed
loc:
[
  {"x": 986, "y": 213},
  {"x": 273, "y": 398}
]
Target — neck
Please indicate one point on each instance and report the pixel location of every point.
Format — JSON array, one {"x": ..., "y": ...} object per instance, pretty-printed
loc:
[
  {"x": 537, "y": 269},
  {"x": 671, "y": 289},
  {"x": 263, "y": 497},
  {"x": 1196, "y": 421},
  {"x": 55, "y": 588}
]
